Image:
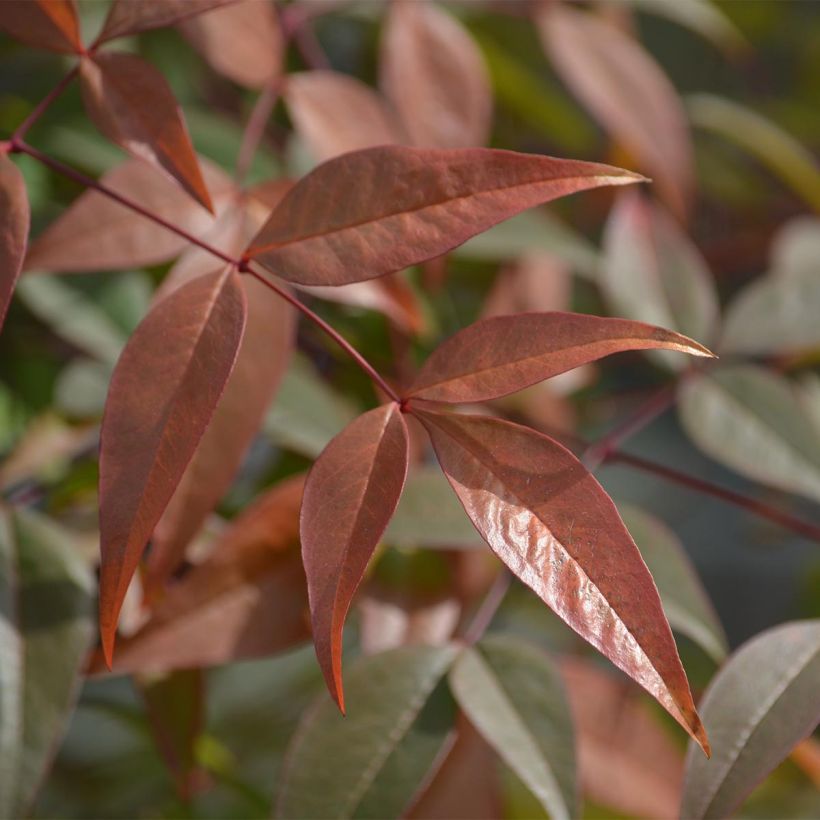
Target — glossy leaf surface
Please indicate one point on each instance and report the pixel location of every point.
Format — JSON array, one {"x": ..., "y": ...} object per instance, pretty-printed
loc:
[
  {"x": 763, "y": 702},
  {"x": 497, "y": 356},
  {"x": 434, "y": 75},
  {"x": 45, "y": 631},
  {"x": 14, "y": 224},
  {"x": 684, "y": 599},
  {"x": 550, "y": 521},
  {"x": 241, "y": 40},
  {"x": 512, "y": 694},
  {"x": 370, "y": 763},
  {"x": 350, "y": 495},
  {"x": 127, "y": 17},
  {"x": 247, "y": 599},
  {"x": 97, "y": 234},
  {"x": 132, "y": 104},
  {"x": 752, "y": 420},
  {"x": 626, "y": 91},
  {"x": 376, "y": 211},
  {"x": 653, "y": 273},
  {"x": 50, "y": 24},
  {"x": 163, "y": 394}
]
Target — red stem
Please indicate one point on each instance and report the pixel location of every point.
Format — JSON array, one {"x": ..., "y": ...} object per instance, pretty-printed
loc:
[
  {"x": 43, "y": 105},
  {"x": 489, "y": 606},
  {"x": 255, "y": 128}
]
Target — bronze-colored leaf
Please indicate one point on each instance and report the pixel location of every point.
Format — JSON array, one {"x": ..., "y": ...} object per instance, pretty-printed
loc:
[
  {"x": 434, "y": 75},
  {"x": 500, "y": 355},
  {"x": 132, "y": 104},
  {"x": 14, "y": 224},
  {"x": 379, "y": 210},
  {"x": 350, "y": 495},
  {"x": 558, "y": 531},
  {"x": 163, "y": 393},
  {"x": 50, "y": 24}
]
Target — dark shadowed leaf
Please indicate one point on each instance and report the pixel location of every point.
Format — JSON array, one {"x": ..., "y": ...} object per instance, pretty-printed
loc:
[
  {"x": 376, "y": 211},
  {"x": 497, "y": 356},
  {"x": 652, "y": 272},
  {"x": 45, "y": 631},
  {"x": 129, "y": 17},
  {"x": 627, "y": 760},
  {"x": 752, "y": 420},
  {"x": 626, "y": 91},
  {"x": 370, "y": 763},
  {"x": 242, "y": 41},
  {"x": 50, "y": 24},
  {"x": 97, "y": 234},
  {"x": 335, "y": 113},
  {"x": 553, "y": 525},
  {"x": 684, "y": 599},
  {"x": 435, "y": 76},
  {"x": 515, "y": 698},
  {"x": 700, "y": 16},
  {"x": 163, "y": 393},
  {"x": 132, "y": 104},
  {"x": 763, "y": 702},
  {"x": 14, "y": 224},
  {"x": 350, "y": 495},
  {"x": 247, "y": 599}
]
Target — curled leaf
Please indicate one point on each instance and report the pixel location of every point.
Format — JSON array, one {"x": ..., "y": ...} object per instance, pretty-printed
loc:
[
  {"x": 497, "y": 356},
  {"x": 379, "y": 210},
  {"x": 14, "y": 224},
  {"x": 350, "y": 495}
]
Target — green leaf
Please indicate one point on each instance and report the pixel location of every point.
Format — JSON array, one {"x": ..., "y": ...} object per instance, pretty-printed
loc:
[
  {"x": 514, "y": 697},
  {"x": 45, "y": 630},
  {"x": 372, "y": 762},
  {"x": 780, "y": 152},
  {"x": 430, "y": 515},
  {"x": 756, "y": 710},
  {"x": 700, "y": 16},
  {"x": 81, "y": 388},
  {"x": 752, "y": 420},
  {"x": 684, "y": 599}
]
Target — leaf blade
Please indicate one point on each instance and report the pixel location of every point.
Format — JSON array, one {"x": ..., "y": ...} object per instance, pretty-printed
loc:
[
  {"x": 14, "y": 227},
  {"x": 50, "y": 24}
]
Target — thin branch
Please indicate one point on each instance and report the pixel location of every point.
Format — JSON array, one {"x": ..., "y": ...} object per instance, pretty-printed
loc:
[
  {"x": 489, "y": 606},
  {"x": 43, "y": 105},
  {"x": 255, "y": 129}
]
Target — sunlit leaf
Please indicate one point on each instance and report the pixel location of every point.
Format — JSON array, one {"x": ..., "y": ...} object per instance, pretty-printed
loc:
[
  {"x": 553, "y": 525},
  {"x": 97, "y": 234},
  {"x": 750, "y": 419},
  {"x": 370, "y": 763},
  {"x": 652, "y": 272},
  {"x": 350, "y": 495},
  {"x": 376, "y": 211},
  {"x": 335, "y": 113},
  {"x": 514, "y": 697},
  {"x": 242, "y": 41},
  {"x": 164, "y": 391},
  {"x": 497, "y": 356},
  {"x": 626, "y": 91},
  {"x": 435, "y": 77},
  {"x": 14, "y": 224},
  {"x": 761, "y": 704},
  {"x": 132, "y": 104},
  {"x": 50, "y": 24},
  {"x": 684, "y": 599},
  {"x": 45, "y": 631}
]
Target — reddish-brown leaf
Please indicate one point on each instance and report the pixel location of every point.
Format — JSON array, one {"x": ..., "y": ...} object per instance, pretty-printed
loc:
[
  {"x": 558, "y": 531},
  {"x": 537, "y": 281},
  {"x": 350, "y": 495},
  {"x": 132, "y": 104},
  {"x": 263, "y": 357},
  {"x": 434, "y": 74},
  {"x": 242, "y": 41},
  {"x": 247, "y": 599},
  {"x": 500, "y": 355},
  {"x": 335, "y": 114},
  {"x": 98, "y": 234},
  {"x": 625, "y": 89},
  {"x": 376, "y": 211},
  {"x": 162, "y": 396},
  {"x": 50, "y": 24},
  {"x": 128, "y": 17},
  {"x": 14, "y": 224}
]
